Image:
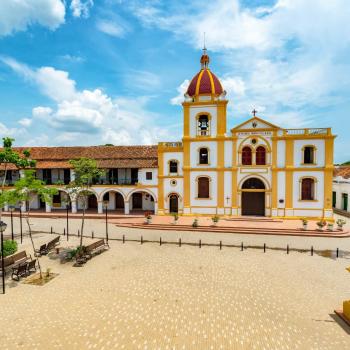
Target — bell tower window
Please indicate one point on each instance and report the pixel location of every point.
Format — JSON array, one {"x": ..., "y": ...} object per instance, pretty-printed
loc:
[
  {"x": 203, "y": 126},
  {"x": 203, "y": 156}
]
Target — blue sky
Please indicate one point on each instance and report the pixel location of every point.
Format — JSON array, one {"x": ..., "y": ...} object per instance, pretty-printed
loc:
[{"x": 82, "y": 72}]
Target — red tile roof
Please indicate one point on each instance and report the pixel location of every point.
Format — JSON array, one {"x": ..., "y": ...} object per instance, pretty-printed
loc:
[
  {"x": 343, "y": 171},
  {"x": 106, "y": 156}
]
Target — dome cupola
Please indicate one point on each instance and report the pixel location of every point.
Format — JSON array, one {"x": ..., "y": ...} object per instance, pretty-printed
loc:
[{"x": 204, "y": 82}]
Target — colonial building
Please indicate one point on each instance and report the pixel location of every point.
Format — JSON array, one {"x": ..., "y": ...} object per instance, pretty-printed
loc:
[
  {"x": 256, "y": 168},
  {"x": 341, "y": 190}
]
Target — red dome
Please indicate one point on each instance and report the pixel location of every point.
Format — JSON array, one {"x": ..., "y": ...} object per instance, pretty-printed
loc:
[{"x": 205, "y": 82}]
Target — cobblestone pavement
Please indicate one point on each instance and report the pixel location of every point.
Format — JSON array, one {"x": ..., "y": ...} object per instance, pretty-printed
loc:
[{"x": 165, "y": 297}]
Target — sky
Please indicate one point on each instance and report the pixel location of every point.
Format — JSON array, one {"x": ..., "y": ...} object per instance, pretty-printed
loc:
[{"x": 92, "y": 72}]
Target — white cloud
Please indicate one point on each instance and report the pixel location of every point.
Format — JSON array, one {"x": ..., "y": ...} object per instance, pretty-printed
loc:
[
  {"x": 111, "y": 27},
  {"x": 17, "y": 15},
  {"x": 81, "y": 8},
  {"x": 142, "y": 80},
  {"x": 177, "y": 100},
  {"x": 88, "y": 116},
  {"x": 25, "y": 122}
]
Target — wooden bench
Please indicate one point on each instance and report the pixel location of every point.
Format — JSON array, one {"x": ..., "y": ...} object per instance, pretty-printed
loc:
[
  {"x": 45, "y": 248},
  {"x": 16, "y": 259},
  {"x": 95, "y": 248}
]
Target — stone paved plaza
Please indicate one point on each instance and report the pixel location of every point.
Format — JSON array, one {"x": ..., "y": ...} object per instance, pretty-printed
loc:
[{"x": 165, "y": 297}]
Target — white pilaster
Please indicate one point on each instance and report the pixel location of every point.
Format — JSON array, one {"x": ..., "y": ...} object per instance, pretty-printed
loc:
[
  {"x": 126, "y": 208},
  {"x": 100, "y": 207},
  {"x": 74, "y": 206},
  {"x": 47, "y": 207}
]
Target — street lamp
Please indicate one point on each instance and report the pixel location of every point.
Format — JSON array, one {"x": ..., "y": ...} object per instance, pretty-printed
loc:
[
  {"x": 67, "y": 208},
  {"x": 3, "y": 226},
  {"x": 20, "y": 223},
  {"x": 11, "y": 209},
  {"x": 105, "y": 205}
]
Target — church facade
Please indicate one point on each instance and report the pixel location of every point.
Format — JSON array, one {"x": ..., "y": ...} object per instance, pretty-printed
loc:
[{"x": 256, "y": 168}]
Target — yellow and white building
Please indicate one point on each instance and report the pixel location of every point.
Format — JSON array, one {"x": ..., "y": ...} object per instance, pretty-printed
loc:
[{"x": 256, "y": 168}]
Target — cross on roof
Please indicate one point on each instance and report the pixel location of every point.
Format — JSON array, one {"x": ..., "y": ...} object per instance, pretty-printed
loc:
[{"x": 254, "y": 111}]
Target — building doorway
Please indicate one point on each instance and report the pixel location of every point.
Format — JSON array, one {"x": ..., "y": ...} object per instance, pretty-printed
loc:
[
  {"x": 137, "y": 200},
  {"x": 173, "y": 203},
  {"x": 253, "y": 197}
]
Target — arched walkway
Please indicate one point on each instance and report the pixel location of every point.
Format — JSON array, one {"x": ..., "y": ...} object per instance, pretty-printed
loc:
[
  {"x": 115, "y": 200},
  {"x": 59, "y": 200},
  {"x": 253, "y": 197},
  {"x": 91, "y": 202},
  {"x": 140, "y": 201}
]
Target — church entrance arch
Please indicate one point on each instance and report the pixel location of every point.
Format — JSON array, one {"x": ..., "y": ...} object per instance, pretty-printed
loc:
[
  {"x": 173, "y": 203},
  {"x": 253, "y": 197}
]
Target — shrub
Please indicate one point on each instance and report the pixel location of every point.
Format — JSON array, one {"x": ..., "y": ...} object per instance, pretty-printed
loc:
[
  {"x": 321, "y": 223},
  {"x": 304, "y": 221},
  {"x": 341, "y": 222},
  {"x": 176, "y": 217},
  {"x": 10, "y": 247},
  {"x": 215, "y": 219},
  {"x": 195, "y": 223}
]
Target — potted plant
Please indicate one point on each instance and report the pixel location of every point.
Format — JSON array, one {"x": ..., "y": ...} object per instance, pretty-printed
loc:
[
  {"x": 304, "y": 222},
  {"x": 195, "y": 223},
  {"x": 330, "y": 226},
  {"x": 176, "y": 219},
  {"x": 321, "y": 224},
  {"x": 340, "y": 224},
  {"x": 215, "y": 220},
  {"x": 148, "y": 217}
]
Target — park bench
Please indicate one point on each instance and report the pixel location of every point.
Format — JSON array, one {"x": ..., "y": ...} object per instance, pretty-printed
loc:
[
  {"x": 45, "y": 248},
  {"x": 95, "y": 248},
  {"x": 23, "y": 269},
  {"x": 16, "y": 259}
]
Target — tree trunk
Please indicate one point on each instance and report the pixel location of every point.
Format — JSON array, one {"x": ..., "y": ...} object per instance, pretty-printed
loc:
[
  {"x": 31, "y": 238},
  {"x": 82, "y": 222}
]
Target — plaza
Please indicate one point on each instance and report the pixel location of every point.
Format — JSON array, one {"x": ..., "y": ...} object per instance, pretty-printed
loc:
[{"x": 147, "y": 296}]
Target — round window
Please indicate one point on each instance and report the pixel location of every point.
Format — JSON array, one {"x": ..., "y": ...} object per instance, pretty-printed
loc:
[
  {"x": 254, "y": 141},
  {"x": 173, "y": 182}
]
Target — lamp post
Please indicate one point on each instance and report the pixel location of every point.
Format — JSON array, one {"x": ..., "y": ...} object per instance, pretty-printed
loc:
[
  {"x": 11, "y": 209},
  {"x": 105, "y": 205},
  {"x": 67, "y": 208},
  {"x": 20, "y": 223},
  {"x": 3, "y": 226}
]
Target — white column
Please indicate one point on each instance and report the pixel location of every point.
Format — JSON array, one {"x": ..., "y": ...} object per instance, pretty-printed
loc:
[
  {"x": 21, "y": 173},
  {"x": 126, "y": 208},
  {"x": 156, "y": 208},
  {"x": 72, "y": 175},
  {"x": 23, "y": 207},
  {"x": 100, "y": 207},
  {"x": 47, "y": 208},
  {"x": 74, "y": 206},
  {"x": 6, "y": 207}
]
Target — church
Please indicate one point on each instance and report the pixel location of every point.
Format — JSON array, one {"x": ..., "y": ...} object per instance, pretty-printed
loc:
[{"x": 256, "y": 168}]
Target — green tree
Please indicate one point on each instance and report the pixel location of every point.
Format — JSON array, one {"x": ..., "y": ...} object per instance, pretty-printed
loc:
[
  {"x": 27, "y": 189},
  {"x": 10, "y": 158},
  {"x": 86, "y": 173}
]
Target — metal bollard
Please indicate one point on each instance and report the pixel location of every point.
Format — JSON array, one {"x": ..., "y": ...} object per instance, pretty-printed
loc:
[
  {"x": 312, "y": 250},
  {"x": 51, "y": 230},
  {"x": 264, "y": 247},
  {"x": 242, "y": 247},
  {"x": 287, "y": 248},
  {"x": 141, "y": 241},
  {"x": 179, "y": 242},
  {"x": 160, "y": 240},
  {"x": 64, "y": 232},
  {"x": 200, "y": 243},
  {"x": 337, "y": 252},
  {"x": 123, "y": 239},
  {"x": 220, "y": 245},
  {"x": 92, "y": 234},
  {"x": 78, "y": 233}
]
